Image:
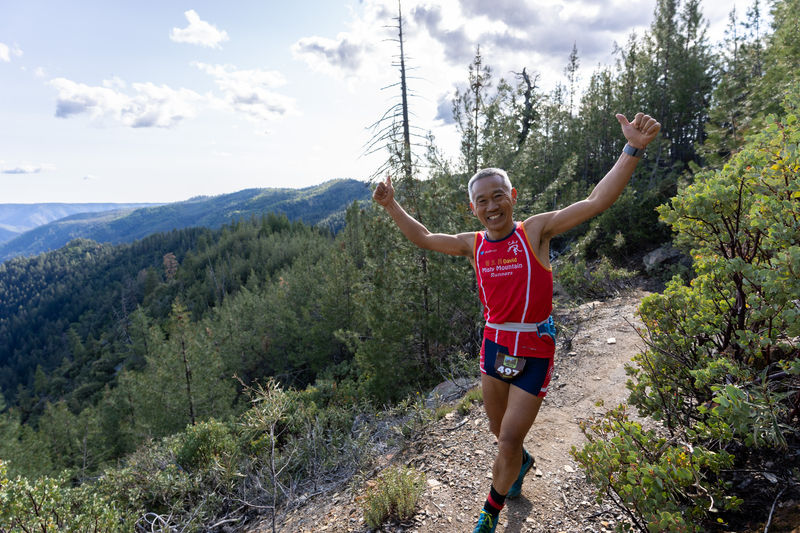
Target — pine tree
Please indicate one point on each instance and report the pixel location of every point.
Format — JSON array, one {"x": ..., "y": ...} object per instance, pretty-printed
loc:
[
  {"x": 184, "y": 379},
  {"x": 741, "y": 69},
  {"x": 781, "y": 58},
  {"x": 394, "y": 130},
  {"x": 675, "y": 68},
  {"x": 599, "y": 129},
  {"x": 468, "y": 109},
  {"x": 571, "y": 71}
]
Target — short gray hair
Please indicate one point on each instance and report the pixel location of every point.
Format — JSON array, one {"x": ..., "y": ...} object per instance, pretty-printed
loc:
[{"x": 486, "y": 173}]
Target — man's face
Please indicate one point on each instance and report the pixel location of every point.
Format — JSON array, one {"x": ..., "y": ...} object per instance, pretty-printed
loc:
[{"x": 493, "y": 205}]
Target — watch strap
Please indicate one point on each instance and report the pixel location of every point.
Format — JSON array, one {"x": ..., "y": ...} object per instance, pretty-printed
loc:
[{"x": 633, "y": 152}]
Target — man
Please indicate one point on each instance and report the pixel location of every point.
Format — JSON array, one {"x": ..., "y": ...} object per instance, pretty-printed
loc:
[{"x": 515, "y": 285}]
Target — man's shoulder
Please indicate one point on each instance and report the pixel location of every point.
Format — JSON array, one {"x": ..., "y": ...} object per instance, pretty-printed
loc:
[
  {"x": 535, "y": 223},
  {"x": 468, "y": 237},
  {"x": 467, "y": 243}
]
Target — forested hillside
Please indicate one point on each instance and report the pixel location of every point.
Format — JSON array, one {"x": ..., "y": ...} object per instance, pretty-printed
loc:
[
  {"x": 19, "y": 218},
  {"x": 7, "y": 234},
  {"x": 320, "y": 204},
  {"x": 69, "y": 311},
  {"x": 199, "y": 379}
]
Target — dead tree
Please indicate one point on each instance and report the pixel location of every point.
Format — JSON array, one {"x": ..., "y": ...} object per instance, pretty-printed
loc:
[{"x": 393, "y": 130}]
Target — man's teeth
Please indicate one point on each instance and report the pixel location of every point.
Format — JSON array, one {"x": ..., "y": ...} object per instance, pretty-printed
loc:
[{"x": 493, "y": 217}]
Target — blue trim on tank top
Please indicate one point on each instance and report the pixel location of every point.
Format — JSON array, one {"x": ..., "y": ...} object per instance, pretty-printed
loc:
[{"x": 487, "y": 239}]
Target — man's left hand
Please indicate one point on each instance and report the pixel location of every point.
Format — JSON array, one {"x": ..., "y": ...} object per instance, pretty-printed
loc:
[{"x": 640, "y": 131}]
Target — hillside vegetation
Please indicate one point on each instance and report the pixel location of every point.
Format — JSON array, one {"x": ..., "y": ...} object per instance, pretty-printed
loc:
[
  {"x": 19, "y": 218},
  {"x": 199, "y": 380},
  {"x": 320, "y": 204}
]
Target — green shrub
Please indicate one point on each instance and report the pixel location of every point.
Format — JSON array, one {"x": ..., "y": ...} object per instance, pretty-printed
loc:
[
  {"x": 152, "y": 481},
  {"x": 599, "y": 279},
  {"x": 443, "y": 410},
  {"x": 662, "y": 483},
  {"x": 205, "y": 443},
  {"x": 214, "y": 470},
  {"x": 474, "y": 395},
  {"x": 630, "y": 224},
  {"x": 49, "y": 505},
  {"x": 394, "y": 496},
  {"x": 294, "y": 441},
  {"x": 717, "y": 346},
  {"x": 721, "y": 364}
]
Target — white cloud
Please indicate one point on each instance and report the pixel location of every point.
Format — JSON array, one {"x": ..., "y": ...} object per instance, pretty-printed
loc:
[
  {"x": 458, "y": 46},
  {"x": 145, "y": 105},
  {"x": 250, "y": 91},
  {"x": 441, "y": 37},
  {"x": 26, "y": 168},
  {"x": 331, "y": 55},
  {"x": 512, "y": 12},
  {"x": 198, "y": 32},
  {"x": 538, "y": 32},
  {"x": 7, "y": 51},
  {"x": 149, "y": 106},
  {"x": 115, "y": 83},
  {"x": 362, "y": 52},
  {"x": 160, "y": 106}
]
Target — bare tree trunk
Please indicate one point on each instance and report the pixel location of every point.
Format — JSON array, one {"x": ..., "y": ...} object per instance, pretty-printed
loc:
[
  {"x": 477, "y": 89},
  {"x": 527, "y": 110},
  {"x": 274, "y": 474},
  {"x": 188, "y": 372},
  {"x": 404, "y": 96}
]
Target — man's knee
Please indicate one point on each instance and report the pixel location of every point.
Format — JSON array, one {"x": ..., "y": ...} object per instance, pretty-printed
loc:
[{"x": 509, "y": 445}]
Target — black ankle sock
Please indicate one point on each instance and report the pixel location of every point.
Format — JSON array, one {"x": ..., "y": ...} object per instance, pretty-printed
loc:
[{"x": 494, "y": 503}]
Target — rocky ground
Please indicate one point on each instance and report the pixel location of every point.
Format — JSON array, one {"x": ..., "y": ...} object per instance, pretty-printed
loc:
[{"x": 457, "y": 452}]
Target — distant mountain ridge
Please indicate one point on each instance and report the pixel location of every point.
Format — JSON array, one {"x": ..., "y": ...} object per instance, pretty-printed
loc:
[
  {"x": 320, "y": 204},
  {"x": 16, "y": 219}
]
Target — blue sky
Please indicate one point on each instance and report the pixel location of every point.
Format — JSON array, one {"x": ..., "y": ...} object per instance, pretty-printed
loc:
[{"x": 156, "y": 101}]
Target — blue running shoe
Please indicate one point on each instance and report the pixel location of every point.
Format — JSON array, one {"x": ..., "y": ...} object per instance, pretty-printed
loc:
[
  {"x": 486, "y": 523},
  {"x": 527, "y": 463}
]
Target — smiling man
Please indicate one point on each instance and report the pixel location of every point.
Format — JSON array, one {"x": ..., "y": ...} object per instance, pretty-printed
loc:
[{"x": 515, "y": 285}]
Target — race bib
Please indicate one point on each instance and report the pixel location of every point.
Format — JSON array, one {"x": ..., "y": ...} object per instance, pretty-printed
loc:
[{"x": 508, "y": 366}]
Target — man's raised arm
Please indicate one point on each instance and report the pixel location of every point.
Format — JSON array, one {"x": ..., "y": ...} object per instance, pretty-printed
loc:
[
  {"x": 460, "y": 244},
  {"x": 638, "y": 133}
]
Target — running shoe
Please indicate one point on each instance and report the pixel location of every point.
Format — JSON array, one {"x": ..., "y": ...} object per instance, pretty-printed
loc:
[
  {"x": 486, "y": 523},
  {"x": 527, "y": 463}
]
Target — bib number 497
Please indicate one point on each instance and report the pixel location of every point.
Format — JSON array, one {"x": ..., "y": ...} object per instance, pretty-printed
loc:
[{"x": 508, "y": 366}]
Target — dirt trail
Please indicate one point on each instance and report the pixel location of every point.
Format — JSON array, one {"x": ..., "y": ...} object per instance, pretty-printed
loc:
[{"x": 457, "y": 453}]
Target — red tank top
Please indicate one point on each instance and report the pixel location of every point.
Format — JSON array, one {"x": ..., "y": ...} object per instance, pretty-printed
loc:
[{"x": 514, "y": 287}]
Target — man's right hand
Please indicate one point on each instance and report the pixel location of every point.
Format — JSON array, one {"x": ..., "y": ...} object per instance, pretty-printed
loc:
[{"x": 384, "y": 192}]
